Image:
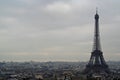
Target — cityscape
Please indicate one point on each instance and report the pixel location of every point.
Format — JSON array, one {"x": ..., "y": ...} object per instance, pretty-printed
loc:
[
  {"x": 96, "y": 69},
  {"x": 51, "y": 40},
  {"x": 48, "y": 70}
]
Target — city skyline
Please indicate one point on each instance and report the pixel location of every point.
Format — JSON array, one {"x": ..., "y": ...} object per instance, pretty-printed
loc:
[{"x": 57, "y": 30}]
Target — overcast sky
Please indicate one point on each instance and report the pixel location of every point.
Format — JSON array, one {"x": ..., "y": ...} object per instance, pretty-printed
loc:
[{"x": 57, "y": 30}]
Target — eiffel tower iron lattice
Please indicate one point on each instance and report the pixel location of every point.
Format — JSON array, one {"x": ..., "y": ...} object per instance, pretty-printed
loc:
[{"x": 96, "y": 63}]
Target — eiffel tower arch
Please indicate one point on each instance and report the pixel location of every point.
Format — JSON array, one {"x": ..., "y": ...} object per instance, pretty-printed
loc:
[{"x": 96, "y": 63}]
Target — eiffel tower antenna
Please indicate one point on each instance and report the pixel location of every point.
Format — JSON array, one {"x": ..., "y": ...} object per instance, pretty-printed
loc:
[{"x": 96, "y": 10}]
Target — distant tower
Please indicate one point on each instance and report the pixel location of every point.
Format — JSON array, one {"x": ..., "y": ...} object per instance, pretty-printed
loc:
[{"x": 96, "y": 63}]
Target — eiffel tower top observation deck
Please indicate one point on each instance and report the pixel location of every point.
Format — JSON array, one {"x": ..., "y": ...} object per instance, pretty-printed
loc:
[{"x": 96, "y": 63}]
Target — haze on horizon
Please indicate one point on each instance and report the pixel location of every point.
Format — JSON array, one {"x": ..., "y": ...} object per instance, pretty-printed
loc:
[{"x": 57, "y": 30}]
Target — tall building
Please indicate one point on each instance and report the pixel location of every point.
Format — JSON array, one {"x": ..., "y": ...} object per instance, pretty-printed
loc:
[{"x": 96, "y": 63}]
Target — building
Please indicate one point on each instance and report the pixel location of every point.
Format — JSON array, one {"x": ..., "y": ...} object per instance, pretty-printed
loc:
[{"x": 96, "y": 65}]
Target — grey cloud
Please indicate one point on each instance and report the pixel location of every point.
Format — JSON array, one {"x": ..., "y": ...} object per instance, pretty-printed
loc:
[{"x": 47, "y": 29}]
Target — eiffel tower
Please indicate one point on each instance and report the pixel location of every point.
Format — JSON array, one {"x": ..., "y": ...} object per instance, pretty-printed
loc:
[{"x": 96, "y": 63}]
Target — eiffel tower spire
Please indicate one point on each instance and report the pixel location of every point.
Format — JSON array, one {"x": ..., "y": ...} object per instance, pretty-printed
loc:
[
  {"x": 97, "y": 45},
  {"x": 96, "y": 63}
]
